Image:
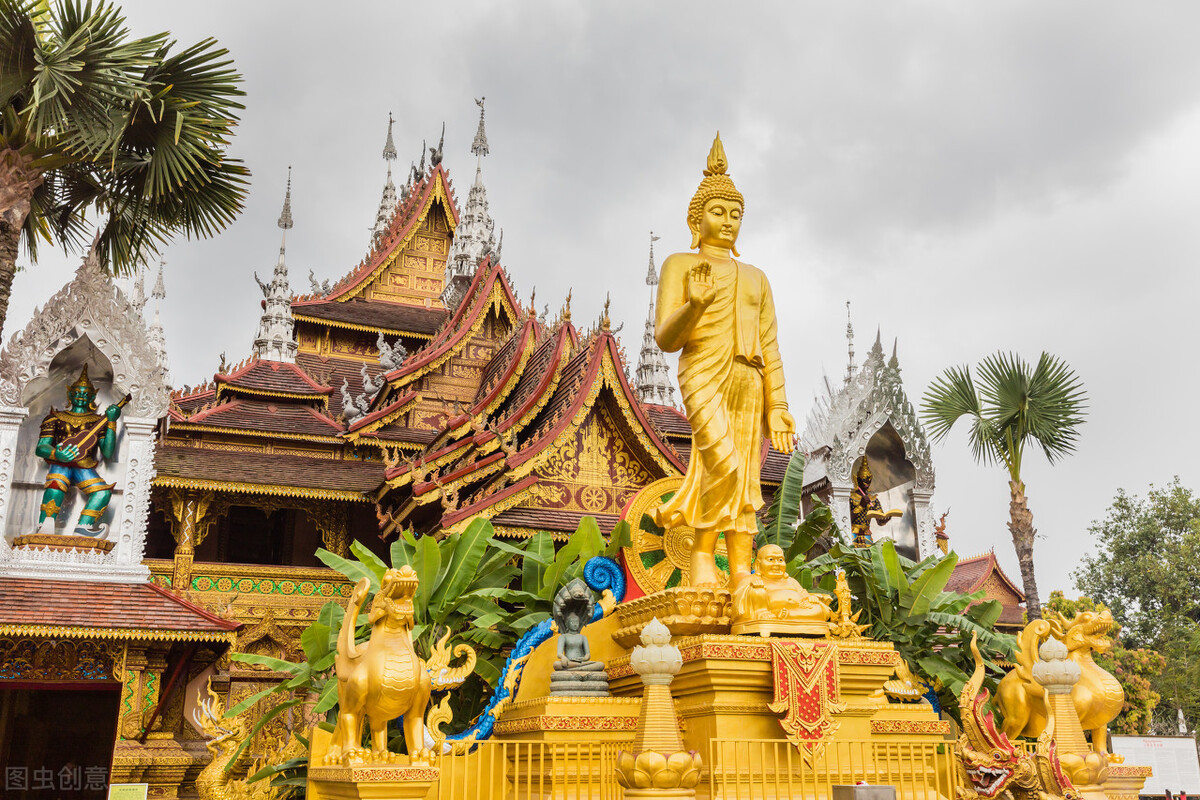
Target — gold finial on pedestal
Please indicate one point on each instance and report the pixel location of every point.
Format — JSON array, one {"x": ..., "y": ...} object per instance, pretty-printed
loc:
[{"x": 658, "y": 766}]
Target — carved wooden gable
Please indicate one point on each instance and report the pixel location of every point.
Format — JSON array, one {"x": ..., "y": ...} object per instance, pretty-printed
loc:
[
  {"x": 417, "y": 272},
  {"x": 595, "y": 472}
]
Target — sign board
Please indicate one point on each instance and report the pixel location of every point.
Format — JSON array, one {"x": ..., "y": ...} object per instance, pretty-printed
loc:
[
  {"x": 128, "y": 791},
  {"x": 1173, "y": 759}
]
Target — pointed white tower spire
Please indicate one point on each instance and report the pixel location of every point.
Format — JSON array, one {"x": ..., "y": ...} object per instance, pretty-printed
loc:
[
  {"x": 158, "y": 341},
  {"x": 475, "y": 236},
  {"x": 653, "y": 376},
  {"x": 387, "y": 203},
  {"x": 850, "y": 368},
  {"x": 275, "y": 340}
]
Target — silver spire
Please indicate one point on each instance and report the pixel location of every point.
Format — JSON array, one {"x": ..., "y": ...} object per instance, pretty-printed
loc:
[
  {"x": 850, "y": 368},
  {"x": 275, "y": 340},
  {"x": 475, "y": 237},
  {"x": 388, "y": 200},
  {"x": 158, "y": 341},
  {"x": 285, "y": 217},
  {"x": 653, "y": 376},
  {"x": 480, "y": 146},
  {"x": 389, "y": 147}
]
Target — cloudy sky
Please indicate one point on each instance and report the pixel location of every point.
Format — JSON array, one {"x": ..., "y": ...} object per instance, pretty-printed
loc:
[{"x": 1021, "y": 176}]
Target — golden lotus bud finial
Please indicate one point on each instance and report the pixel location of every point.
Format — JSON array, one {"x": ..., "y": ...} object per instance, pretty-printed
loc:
[{"x": 717, "y": 163}]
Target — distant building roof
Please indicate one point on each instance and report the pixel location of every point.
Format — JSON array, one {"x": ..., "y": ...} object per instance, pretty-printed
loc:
[{"x": 95, "y": 610}]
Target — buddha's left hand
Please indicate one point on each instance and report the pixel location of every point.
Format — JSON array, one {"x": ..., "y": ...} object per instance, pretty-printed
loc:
[
  {"x": 112, "y": 412},
  {"x": 783, "y": 430}
]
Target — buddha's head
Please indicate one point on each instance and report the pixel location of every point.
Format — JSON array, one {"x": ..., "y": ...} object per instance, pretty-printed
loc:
[
  {"x": 770, "y": 562},
  {"x": 715, "y": 213}
]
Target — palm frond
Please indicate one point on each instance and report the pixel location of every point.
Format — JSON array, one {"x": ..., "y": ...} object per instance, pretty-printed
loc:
[
  {"x": 948, "y": 399},
  {"x": 1056, "y": 407}
]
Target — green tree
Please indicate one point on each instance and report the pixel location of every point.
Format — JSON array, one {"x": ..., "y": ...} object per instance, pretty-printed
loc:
[
  {"x": 1015, "y": 405},
  {"x": 93, "y": 121},
  {"x": 1145, "y": 566},
  {"x": 1136, "y": 669}
]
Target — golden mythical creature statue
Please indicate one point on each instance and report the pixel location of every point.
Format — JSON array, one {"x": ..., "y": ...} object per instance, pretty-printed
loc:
[
  {"x": 384, "y": 678},
  {"x": 719, "y": 313},
  {"x": 771, "y": 601},
  {"x": 865, "y": 506},
  {"x": 993, "y": 766},
  {"x": 1098, "y": 696},
  {"x": 224, "y": 737}
]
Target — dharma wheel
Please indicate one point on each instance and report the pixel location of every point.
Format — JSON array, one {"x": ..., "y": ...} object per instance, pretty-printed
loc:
[{"x": 659, "y": 559}]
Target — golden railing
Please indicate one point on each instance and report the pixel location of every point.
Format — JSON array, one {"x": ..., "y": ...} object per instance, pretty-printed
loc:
[
  {"x": 517, "y": 770},
  {"x": 735, "y": 770},
  {"x": 740, "y": 769}
]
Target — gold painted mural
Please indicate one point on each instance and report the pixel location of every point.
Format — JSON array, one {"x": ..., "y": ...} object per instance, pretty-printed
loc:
[{"x": 596, "y": 473}]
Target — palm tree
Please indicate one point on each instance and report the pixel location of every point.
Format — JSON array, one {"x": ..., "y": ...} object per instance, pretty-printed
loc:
[
  {"x": 132, "y": 131},
  {"x": 1015, "y": 405}
]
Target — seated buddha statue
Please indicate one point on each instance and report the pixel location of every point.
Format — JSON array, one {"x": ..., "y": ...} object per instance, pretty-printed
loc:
[
  {"x": 771, "y": 601},
  {"x": 575, "y": 674}
]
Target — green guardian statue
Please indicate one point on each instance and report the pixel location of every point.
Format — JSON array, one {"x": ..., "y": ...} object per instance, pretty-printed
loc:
[{"x": 69, "y": 442}]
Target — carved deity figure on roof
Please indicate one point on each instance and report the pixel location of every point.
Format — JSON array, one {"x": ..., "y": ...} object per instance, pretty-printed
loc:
[
  {"x": 865, "y": 506},
  {"x": 70, "y": 441},
  {"x": 719, "y": 314}
]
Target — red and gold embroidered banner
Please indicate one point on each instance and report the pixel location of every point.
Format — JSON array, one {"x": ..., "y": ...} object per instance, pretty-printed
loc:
[{"x": 806, "y": 689}]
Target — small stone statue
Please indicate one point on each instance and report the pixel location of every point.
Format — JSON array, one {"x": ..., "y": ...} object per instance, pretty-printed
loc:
[{"x": 575, "y": 675}]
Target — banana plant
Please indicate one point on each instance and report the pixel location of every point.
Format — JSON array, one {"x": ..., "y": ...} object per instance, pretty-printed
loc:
[{"x": 906, "y": 603}]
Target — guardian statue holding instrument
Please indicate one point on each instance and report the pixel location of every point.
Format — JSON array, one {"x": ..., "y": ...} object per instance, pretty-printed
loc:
[{"x": 70, "y": 442}]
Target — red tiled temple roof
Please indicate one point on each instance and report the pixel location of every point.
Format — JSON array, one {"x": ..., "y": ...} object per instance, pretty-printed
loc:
[
  {"x": 971, "y": 573},
  {"x": 551, "y": 519},
  {"x": 190, "y": 465},
  {"x": 272, "y": 376},
  {"x": 501, "y": 371},
  {"x": 391, "y": 317},
  {"x": 92, "y": 609},
  {"x": 469, "y": 467},
  {"x": 263, "y": 415},
  {"x": 668, "y": 419}
]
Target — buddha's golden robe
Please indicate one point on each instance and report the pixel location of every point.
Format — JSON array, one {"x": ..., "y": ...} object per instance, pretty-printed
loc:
[{"x": 730, "y": 377}]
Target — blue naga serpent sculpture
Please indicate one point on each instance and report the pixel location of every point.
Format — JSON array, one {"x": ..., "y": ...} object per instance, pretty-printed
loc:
[{"x": 601, "y": 575}]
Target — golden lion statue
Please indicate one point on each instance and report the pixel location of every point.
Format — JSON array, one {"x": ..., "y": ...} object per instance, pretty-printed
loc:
[
  {"x": 1098, "y": 696},
  {"x": 384, "y": 678}
]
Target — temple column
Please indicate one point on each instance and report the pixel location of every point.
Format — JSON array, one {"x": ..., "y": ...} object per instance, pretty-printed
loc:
[
  {"x": 130, "y": 517},
  {"x": 839, "y": 503},
  {"x": 191, "y": 515},
  {"x": 923, "y": 518},
  {"x": 11, "y": 418}
]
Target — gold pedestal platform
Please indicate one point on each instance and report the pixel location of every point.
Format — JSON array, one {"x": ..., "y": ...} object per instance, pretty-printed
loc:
[
  {"x": 398, "y": 781},
  {"x": 1125, "y": 781},
  {"x": 570, "y": 719},
  {"x": 62, "y": 543},
  {"x": 726, "y": 684}
]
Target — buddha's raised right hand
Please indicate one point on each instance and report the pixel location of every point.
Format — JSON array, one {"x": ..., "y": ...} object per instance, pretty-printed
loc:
[{"x": 700, "y": 290}]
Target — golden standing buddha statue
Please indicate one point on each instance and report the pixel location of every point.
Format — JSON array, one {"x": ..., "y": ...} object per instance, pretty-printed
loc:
[{"x": 719, "y": 313}]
